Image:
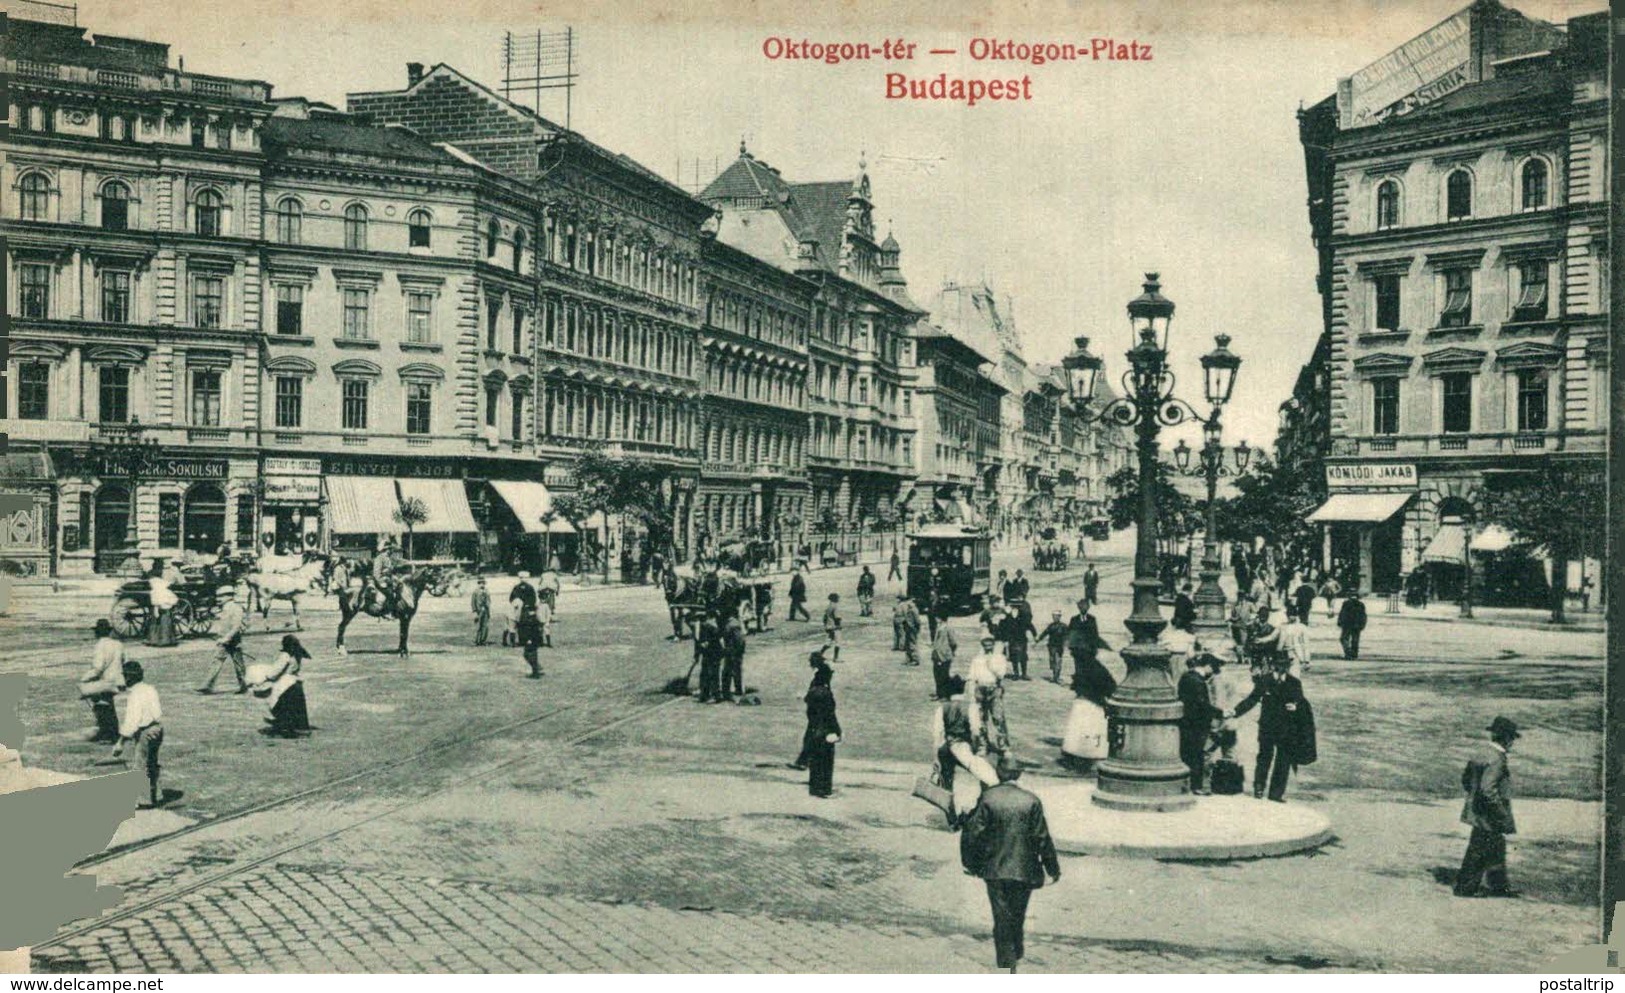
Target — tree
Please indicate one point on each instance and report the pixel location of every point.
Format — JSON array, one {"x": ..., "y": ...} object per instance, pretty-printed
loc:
[
  {"x": 409, "y": 514},
  {"x": 1124, "y": 506},
  {"x": 1559, "y": 508},
  {"x": 634, "y": 488},
  {"x": 1271, "y": 503}
]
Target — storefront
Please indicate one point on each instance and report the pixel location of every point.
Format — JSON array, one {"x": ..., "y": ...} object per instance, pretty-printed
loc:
[
  {"x": 1362, "y": 523},
  {"x": 366, "y": 503},
  {"x": 523, "y": 531},
  {"x": 291, "y": 505},
  {"x": 27, "y": 484}
]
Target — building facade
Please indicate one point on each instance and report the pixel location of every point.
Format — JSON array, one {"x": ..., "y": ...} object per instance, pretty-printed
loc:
[
  {"x": 1462, "y": 239},
  {"x": 956, "y": 408}
]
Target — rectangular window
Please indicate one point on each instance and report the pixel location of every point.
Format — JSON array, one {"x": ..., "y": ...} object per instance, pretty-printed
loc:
[
  {"x": 1458, "y": 402},
  {"x": 418, "y": 407},
  {"x": 518, "y": 331},
  {"x": 115, "y": 297},
  {"x": 357, "y": 303},
  {"x": 206, "y": 397},
  {"x": 197, "y": 134},
  {"x": 1385, "y": 406},
  {"x": 908, "y": 403},
  {"x": 1458, "y": 299},
  {"x": 1531, "y": 305},
  {"x": 115, "y": 208},
  {"x": 208, "y": 301},
  {"x": 34, "y": 291},
  {"x": 1531, "y": 400},
  {"x": 222, "y": 137},
  {"x": 493, "y": 315},
  {"x": 33, "y": 391},
  {"x": 1387, "y": 302},
  {"x": 420, "y": 317},
  {"x": 493, "y": 400},
  {"x": 290, "y": 309},
  {"x": 355, "y": 405},
  {"x": 113, "y": 394},
  {"x": 518, "y": 414},
  {"x": 290, "y": 401}
]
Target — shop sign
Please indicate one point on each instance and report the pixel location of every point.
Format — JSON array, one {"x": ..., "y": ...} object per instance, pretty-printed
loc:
[
  {"x": 292, "y": 467},
  {"x": 411, "y": 468},
  {"x": 1371, "y": 476},
  {"x": 163, "y": 467},
  {"x": 1418, "y": 72},
  {"x": 558, "y": 475},
  {"x": 293, "y": 489}
]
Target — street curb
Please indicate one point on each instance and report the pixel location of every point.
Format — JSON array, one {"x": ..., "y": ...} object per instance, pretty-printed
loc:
[{"x": 1490, "y": 622}]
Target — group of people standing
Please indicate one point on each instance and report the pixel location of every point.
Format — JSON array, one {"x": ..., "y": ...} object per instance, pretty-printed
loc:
[{"x": 529, "y": 617}]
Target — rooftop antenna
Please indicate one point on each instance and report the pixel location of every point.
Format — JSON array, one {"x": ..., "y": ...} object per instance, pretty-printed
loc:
[{"x": 533, "y": 60}]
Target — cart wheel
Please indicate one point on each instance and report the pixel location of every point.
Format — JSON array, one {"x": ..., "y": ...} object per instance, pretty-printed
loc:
[
  {"x": 184, "y": 618},
  {"x": 198, "y": 622},
  {"x": 128, "y": 617}
]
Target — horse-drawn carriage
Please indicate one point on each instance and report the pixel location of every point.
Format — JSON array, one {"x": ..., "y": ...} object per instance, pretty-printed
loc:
[
  {"x": 1049, "y": 554},
  {"x": 690, "y": 596},
  {"x": 197, "y": 603}
]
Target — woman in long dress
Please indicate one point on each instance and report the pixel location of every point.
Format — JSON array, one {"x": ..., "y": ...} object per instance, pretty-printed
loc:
[
  {"x": 288, "y": 715},
  {"x": 1087, "y": 731}
]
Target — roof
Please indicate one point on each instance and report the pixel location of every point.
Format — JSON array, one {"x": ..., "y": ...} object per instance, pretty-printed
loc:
[
  {"x": 812, "y": 211},
  {"x": 821, "y": 208},
  {"x": 1530, "y": 86},
  {"x": 326, "y": 134},
  {"x": 931, "y": 333}
]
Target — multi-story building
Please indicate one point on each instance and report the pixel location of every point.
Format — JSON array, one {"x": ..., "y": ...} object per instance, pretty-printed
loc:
[
  {"x": 970, "y": 313},
  {"x": 956, "y": 408},
  {"x": 860, "y": 448},
  {"x": 617, "y": 264},
  {"x": 1458, "y": 201},
  {"x": 753, "y": 416},
  {"x": 1041, "y": 401},
  {"x": 133, "y": 215},
  {"x": 1304, "y": 434}
]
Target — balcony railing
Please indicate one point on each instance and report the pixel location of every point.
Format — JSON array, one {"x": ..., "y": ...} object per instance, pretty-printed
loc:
[
  {"x": 122, "y": 80},
  {"x": 1529, "y": 441},
  {"x": 1453, "y": 443},
  {"x": 37, "y": 70}
]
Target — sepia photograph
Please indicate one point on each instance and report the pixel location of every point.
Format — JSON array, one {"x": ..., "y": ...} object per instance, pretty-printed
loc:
[{"x": 1114, "y": 487}]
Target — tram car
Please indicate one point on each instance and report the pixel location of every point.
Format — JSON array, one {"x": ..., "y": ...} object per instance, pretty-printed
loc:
[{"x": 961, "y": 556}]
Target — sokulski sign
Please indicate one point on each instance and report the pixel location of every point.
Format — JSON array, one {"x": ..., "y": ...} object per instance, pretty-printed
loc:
[
  {"x": 1416, "y": 73},
  {"x": 1371, "y": 476}
]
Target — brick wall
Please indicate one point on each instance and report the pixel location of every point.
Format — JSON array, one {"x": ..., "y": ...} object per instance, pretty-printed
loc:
[{"x": 445, "y": 108}]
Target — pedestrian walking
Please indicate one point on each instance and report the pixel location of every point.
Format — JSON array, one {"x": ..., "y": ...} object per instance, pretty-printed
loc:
[
  {"x": 1021, "y": 586},
  {"x": 911, "y": 629},
  {"x": 1198, "y": 714},
  {"x": 1084, "y": 642},
  {"x": 1091, "y": 584},
  {"x": 798, "y": 598},
  {"x": 1280, "y": 728},
  {"x": 102, "y": 681},
  {"x": 1014, "y": 629},
  {"x": 832, "y": 628},
  {"x": 161, "y": 626},
  {"x": 896, "y": 569},
  {"x": 1087, "y": 735},
  {"x": 944, "y": 646},
  {"x": 1006, "y": 842},
  {"x": 897, "y": 622},
  {"x": 957, "y": 735},
  {"x": 988, "y": 671},
  {"x": 708, "y": 645},
  {"x": 1054, "y": 638},
  {"x": 824, "y": 732},
  {"x": 1329, "y": 591},
  {"x": 1351, "y": 622},
  {"x": 480, "y": 605},
  {"x": 522, "y": 594},
  {"x": 230, "y": 625},
  {"x": 1304, "y": 600},
  {"x": 1295, "y": 641},
  {"x": 1241, "y": 622},
  {"x": 528, "y": 633},
  {"x": 142, "y": 726},
  {"x": 1488, "y": 810},
  {"x": 544, "y": 618},
  {"x": 733, "y": 658},
  {"x": 866, "y": 593},
  {"x": 289, "y": 717},
  {"x": 815, "y": 661}
]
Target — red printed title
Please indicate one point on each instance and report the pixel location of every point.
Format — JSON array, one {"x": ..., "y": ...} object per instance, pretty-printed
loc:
[{"x": 944, "y": 86}]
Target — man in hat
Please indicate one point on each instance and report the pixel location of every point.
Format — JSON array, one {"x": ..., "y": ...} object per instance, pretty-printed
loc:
[
  {"x": 709, "y": 646},
  {"x": 1091, "y": 584},
  {"x": 102, "y": 680},
  {"x": 866, "y": 593},
  {"x": 798, "y": 598},
  {"x": 815, "y": 662},
  {"x": 520, "y": 598},
  {"x": 1488, "y": 809},
  {"x": 733, "y": 657},
  {"x": 1054, "y": 638},
  {"x": 230, "y": 624},
  {"x": 910, "y": 620},
  {"x": 1013, "y": 629},
  {"x": 1350, "y": 622},
  {"x": 142, "y": 725},
  {"x": 1007, "y": 844},
  {"x": 480, "y": 604},
  {"x": 1083, "y": 640},
  {"x": 1281, "y": 694},
  {"x": 944, "y": 646},
  {"x": 986, "y": 681},
  {"x": 1196, "y": 720}
]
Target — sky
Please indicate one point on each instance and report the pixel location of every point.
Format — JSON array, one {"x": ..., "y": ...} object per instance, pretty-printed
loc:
[{"x": 1187, "y": 164}]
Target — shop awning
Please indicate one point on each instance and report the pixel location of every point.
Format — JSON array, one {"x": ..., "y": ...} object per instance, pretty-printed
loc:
[
  {"x": 1493, "y": 538},
  {"x": 361, "y": 505},
  {"x": 1363, "y": 508},
  {"x": 25, "y": 467},
  {"x": 1447, "y": 545},
  {"x": 447, "y": 504},
  {"x": 530, "y": 502}
]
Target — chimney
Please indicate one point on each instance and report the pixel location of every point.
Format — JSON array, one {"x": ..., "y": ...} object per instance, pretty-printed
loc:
[{"x": 414, "y": 72}]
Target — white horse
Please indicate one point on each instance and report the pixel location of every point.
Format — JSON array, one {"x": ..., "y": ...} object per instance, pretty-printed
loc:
[{"x": 289, "y": 586}]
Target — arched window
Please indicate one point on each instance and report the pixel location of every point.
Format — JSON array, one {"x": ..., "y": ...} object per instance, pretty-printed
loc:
[
  {"x": 115, "y": 207},
  {"x": 493, "y": 231},
  {"x": 34, "y": 196},
  {"x": 205, "y": 518},
  {"x": 1387, "y": 204},
  {"x": 417, "y": 229},
  {"x": 290, "y": 221},
  {"x": 1534, "y": 184},
  {"x": 355, "y": 228},
  {"x": 518, "y": 249},
  {"x": 209, "y": 207},
  {"x": 1458, "y": 195}
]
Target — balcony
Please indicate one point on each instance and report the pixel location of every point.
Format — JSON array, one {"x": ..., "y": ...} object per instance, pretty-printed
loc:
[
  {"x": 208, "y": 435},
  {"x": 1477, "y": 443}
]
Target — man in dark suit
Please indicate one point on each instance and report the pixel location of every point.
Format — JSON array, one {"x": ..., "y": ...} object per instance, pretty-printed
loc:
[
  {"x": 1006, "y": 842},
  {"x": 1196, "y": 722},
  {"x": 1091, "y": 584},
  {"x": 1351, "y": 621},
  {"x": 1488, "y": 809},
  {"x": 1278, "y": 726},
  {"x": 1084, "y": 642}
]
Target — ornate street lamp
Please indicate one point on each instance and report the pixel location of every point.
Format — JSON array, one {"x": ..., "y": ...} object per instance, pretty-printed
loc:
[
  {"x": 1145, "y": 772},
  {"x": 1211, "y": 622}
]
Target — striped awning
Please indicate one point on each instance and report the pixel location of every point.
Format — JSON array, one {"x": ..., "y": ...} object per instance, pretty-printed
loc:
[
  {"x": 529, "y": 501},
  {"x": 361, "y": 505},
  {"x": 1448, "y": 544},
  {"x": 447, "y": 504}
]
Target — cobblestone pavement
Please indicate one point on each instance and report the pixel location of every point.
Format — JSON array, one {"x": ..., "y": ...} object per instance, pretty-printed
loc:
[{"x": 297, "y": 918}]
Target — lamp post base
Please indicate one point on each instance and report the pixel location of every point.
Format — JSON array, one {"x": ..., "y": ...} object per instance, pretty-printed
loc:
[{"x": 1145, "y": 772}]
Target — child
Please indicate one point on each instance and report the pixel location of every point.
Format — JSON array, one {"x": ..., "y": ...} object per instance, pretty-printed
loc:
[
  {"x": 1055, "y": 637},
  {"x": 832, "y": 629}
]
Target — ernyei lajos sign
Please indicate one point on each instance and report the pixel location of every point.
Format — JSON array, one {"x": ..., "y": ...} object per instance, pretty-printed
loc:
[{"x": 1372, "y": 476}]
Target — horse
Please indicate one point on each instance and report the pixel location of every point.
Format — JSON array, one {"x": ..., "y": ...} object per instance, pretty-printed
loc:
[
  {"x": 745, "y": 557},
  {"x": 687, "y": 595},
  {"x": 401, "y": 605},
  {"x": 263, "y": 587}
]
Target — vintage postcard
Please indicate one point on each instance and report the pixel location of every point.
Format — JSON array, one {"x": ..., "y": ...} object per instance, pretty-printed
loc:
[{"x": 513, "y": 487}]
